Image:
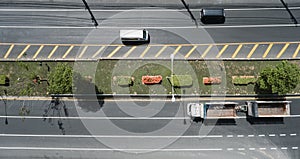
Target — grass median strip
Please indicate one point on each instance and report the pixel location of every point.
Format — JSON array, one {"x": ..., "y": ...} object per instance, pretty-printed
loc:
[{"x": 22, "y": 75}]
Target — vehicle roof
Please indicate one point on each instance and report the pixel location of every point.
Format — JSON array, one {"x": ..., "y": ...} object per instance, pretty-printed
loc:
[
  {"x": 131, "y": 33},
  {"x": 213, "y": 11}
]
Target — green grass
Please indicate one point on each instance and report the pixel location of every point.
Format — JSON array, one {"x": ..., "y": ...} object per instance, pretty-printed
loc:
[{"x": 103, "y": 72}]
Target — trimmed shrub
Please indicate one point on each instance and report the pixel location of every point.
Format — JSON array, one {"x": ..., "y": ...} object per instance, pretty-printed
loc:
[
  {"x": 181, "y": 80},
  {"x": 243, "y": 80},
  {"x": 4, "y": 81},
  {"x": 124, "y": 80}
]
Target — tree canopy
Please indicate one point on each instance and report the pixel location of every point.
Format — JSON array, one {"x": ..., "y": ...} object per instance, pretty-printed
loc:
[
  {"x": 60, "y": 79},
  {"x": 281, "y": 79}
]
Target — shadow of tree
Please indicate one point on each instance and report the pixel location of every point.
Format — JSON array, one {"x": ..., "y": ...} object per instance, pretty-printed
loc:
[{"x": 88, "y": 95}]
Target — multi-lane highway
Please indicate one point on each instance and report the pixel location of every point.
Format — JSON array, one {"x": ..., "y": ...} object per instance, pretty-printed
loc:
[
  {"x": 68, "y": 34},
  {"x": 118, "y": 128},
  {"x": 143, "y": 128}
]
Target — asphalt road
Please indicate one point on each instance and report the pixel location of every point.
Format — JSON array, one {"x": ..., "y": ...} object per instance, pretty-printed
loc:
[
  {"x": 123, "y": 129},
  {"x": 143, "y": 129},
  {"x": 28, "y": 29}
]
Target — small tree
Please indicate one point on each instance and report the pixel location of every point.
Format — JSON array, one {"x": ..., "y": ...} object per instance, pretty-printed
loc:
[
  {"x": 281, "y": 79},
  {"x": 60, "y": 79}
]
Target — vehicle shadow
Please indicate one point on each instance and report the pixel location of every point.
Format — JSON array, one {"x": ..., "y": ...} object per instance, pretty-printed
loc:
[
  {"x": 219, "y": 122},
  {"x": 265, "y": 120}
]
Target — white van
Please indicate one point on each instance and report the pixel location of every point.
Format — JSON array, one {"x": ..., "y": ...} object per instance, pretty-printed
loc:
[{"x": 134, "y": 35}]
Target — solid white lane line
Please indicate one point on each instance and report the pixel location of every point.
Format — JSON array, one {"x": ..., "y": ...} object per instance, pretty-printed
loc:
[
  {"x": 137, "y": 10},
  {"x": 126, "y": 118},
  {"x": 153, "y": 27},
  {"x": 105, "y": 136},
  {"x": 98, "y": 118},
  {"x": 101, "y": 149}
]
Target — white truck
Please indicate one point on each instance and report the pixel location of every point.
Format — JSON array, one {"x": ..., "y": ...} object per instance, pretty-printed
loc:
[
  {"x": 267, "y": 108},
  {"x": 213, "y": 110}
]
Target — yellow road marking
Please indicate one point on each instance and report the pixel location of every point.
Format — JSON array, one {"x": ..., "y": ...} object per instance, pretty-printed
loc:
[
  {"x": 83, "y": 51},
  {"x": 115, "y": 51},
  {"x": 252, "y": 51},
  {"x": 177, "y": 49},
  {"x": 81, "y": 45},
  {"x": 268, "y": 50},
  {"x": 145, "y": 51},
  {"x": 9, "y": 50},
  {"x": 190, "y": 52},
  {"x": 283, "y": 50},
  {"x": 296, "y": 52},
  {"x": 23, "y": 52},
  {"x": 38, "y": 51},
  {"x": 161, "y": 50},
  {"x": 129, "y": 51},
  {"x": 222, "y": 51},
  {"x": 237, "y": 50},
  {"x": 98, "y": 52},
  {"x": 206, "y": 51},
  {"x": 68, "y": 51},
  {"x": 52, "y": 52}
]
